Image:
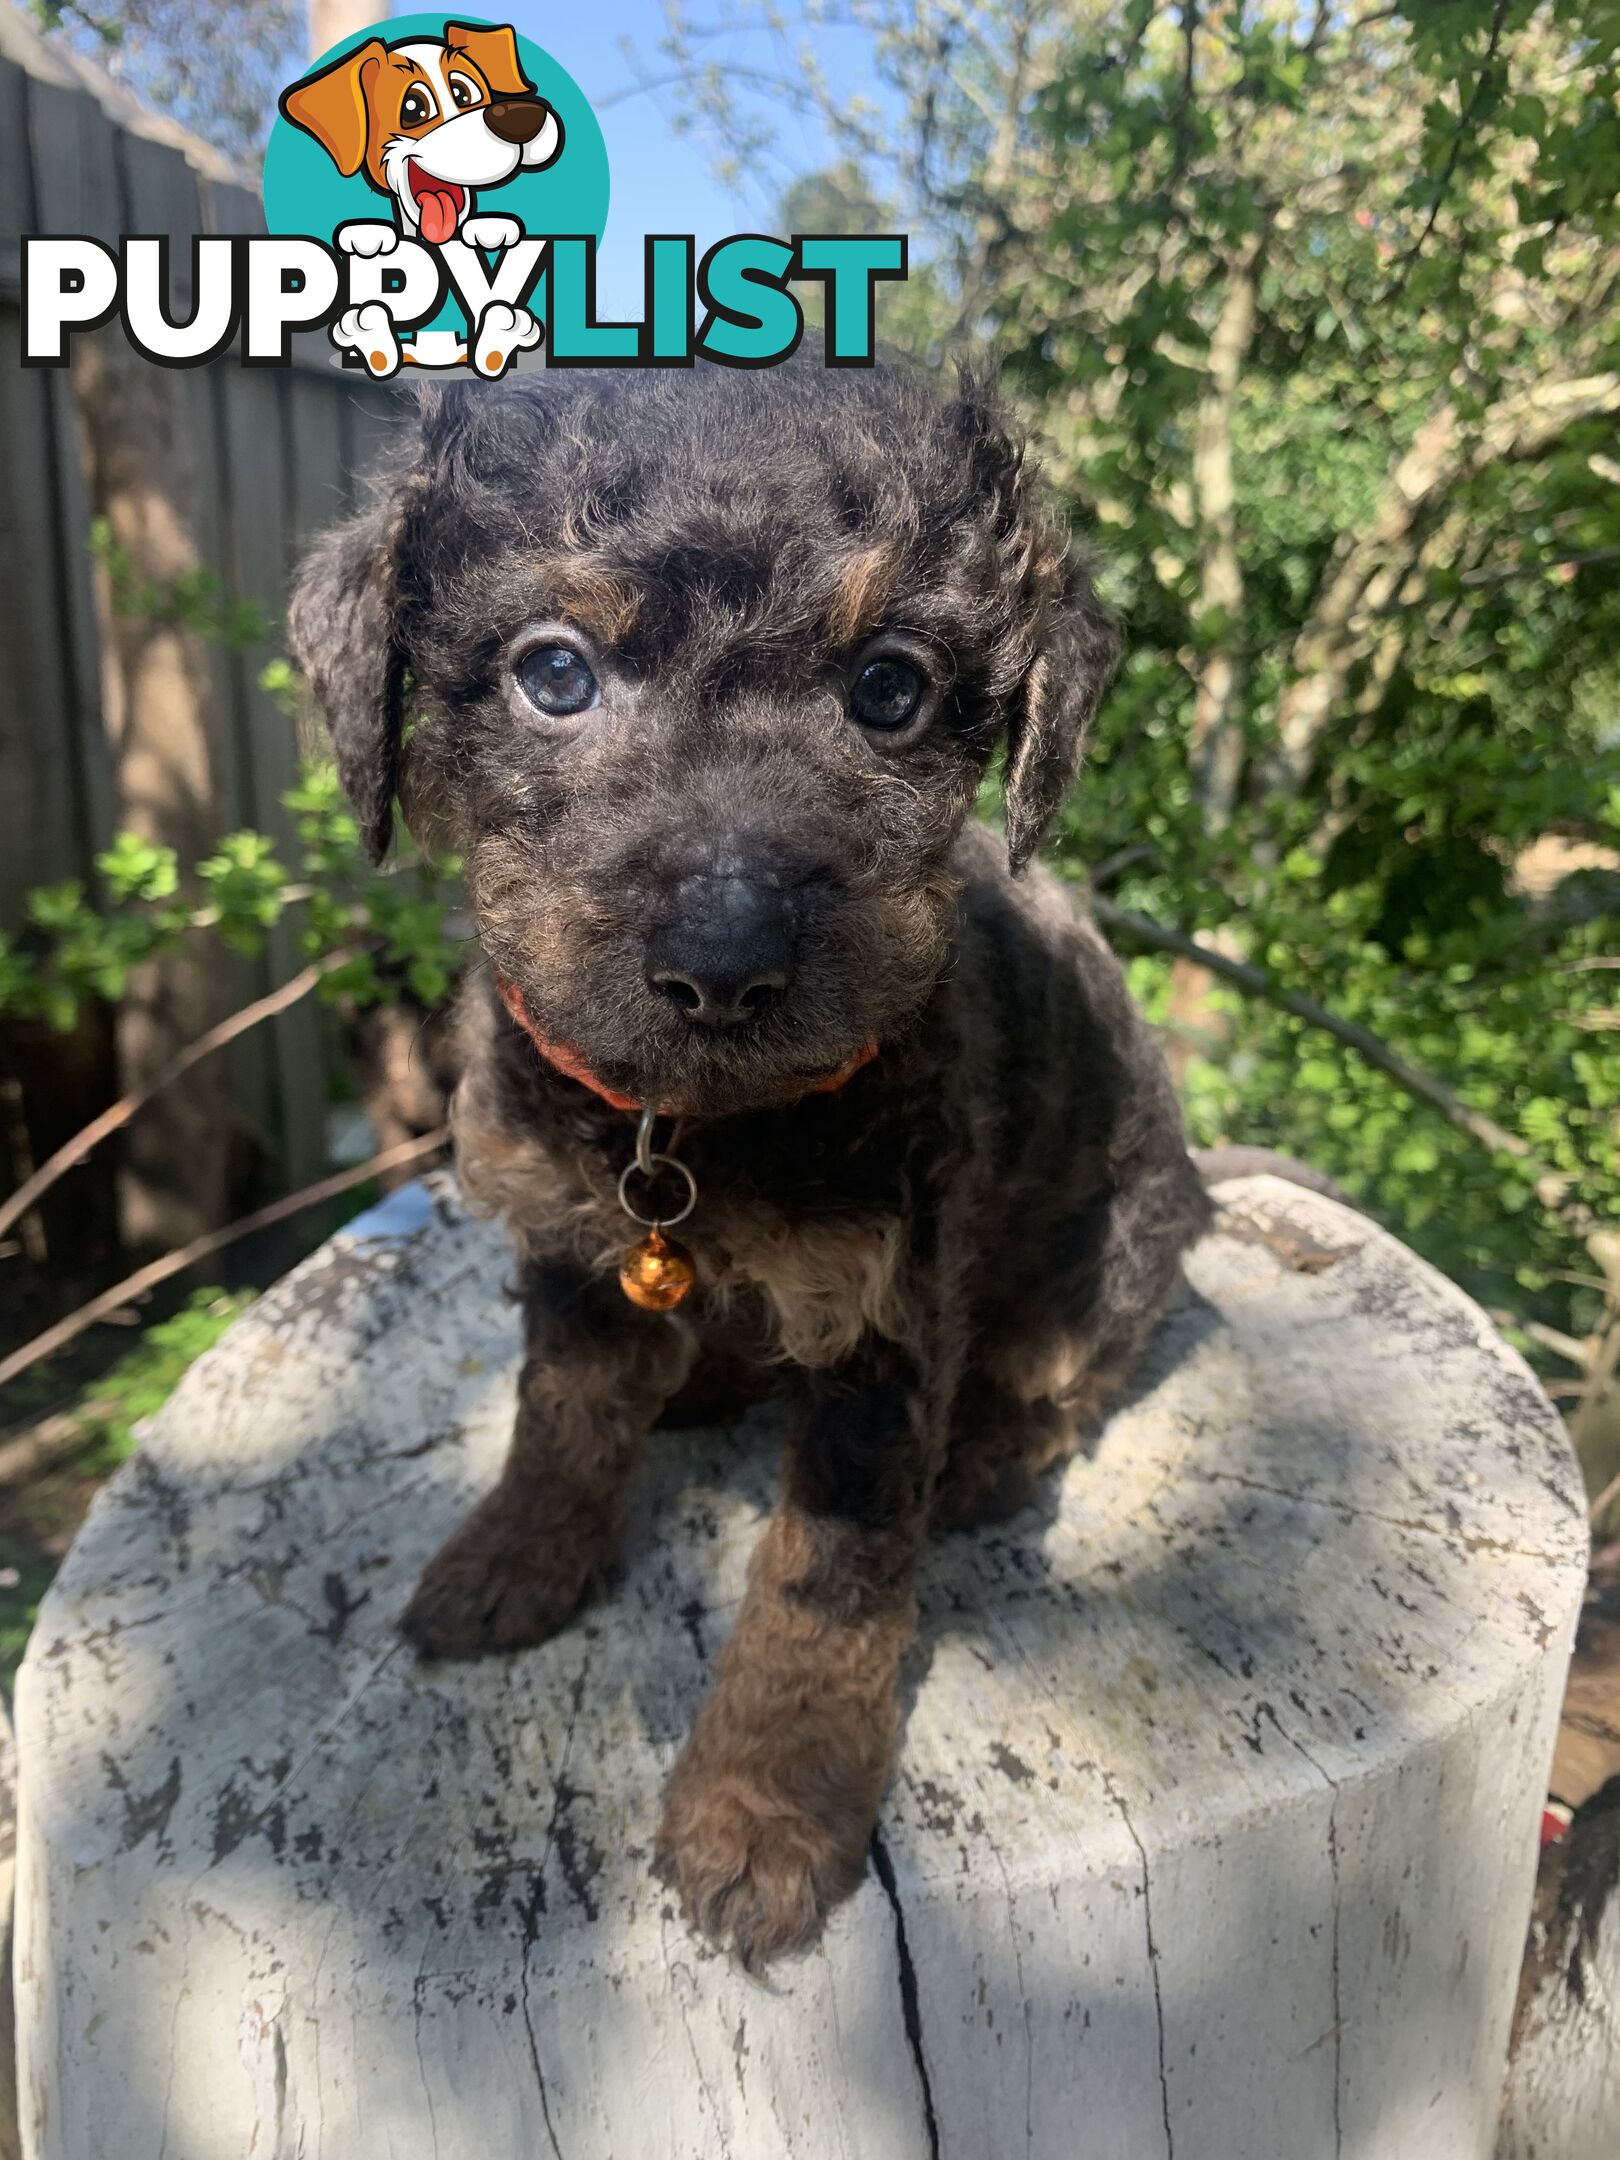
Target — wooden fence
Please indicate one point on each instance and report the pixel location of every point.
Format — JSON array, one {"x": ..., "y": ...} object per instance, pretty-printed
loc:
[{"x": 108, "y": 720}]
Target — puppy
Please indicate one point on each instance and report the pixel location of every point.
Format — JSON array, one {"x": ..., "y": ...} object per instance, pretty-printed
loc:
[
  {"x": 704, "y": 673},
  {"x": 429, "y": 120}
]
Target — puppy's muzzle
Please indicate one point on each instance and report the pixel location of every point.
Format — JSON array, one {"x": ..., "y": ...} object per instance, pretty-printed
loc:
[
  {"x": 516, "y": 120},
  {"x": 724, "y": 955}
]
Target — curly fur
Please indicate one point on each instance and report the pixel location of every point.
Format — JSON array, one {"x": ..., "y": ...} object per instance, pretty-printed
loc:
[{"x": 952, "y": 1260}]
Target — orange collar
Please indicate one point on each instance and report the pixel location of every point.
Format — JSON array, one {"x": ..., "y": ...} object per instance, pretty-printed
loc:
[{"x": 568, "y": 1060}]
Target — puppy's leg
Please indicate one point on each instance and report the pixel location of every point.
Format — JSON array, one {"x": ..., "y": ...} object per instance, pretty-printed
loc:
[
  {"x": 999, "y": 1445},
  {"x": 1046, "y": 1364},
  {"x": 596, "y": 1374},
  {"x": 770, "y": 1807},
  {"x": 720, "y": 1387}
]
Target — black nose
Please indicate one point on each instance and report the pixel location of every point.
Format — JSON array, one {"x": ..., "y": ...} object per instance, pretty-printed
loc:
[
  {"x": 516, "y": 120},
  {"x": 726, "y": 952}
]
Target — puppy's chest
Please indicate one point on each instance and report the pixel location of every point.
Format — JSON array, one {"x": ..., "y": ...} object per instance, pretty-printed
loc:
[
  {"x": 806, "y": 1289},
  {"x": 807, "y": 1251},
  {"x": 803, "y": 1278}
]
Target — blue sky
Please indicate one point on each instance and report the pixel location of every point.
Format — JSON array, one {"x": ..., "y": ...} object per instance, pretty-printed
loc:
[{"x": 663, "y": 181}]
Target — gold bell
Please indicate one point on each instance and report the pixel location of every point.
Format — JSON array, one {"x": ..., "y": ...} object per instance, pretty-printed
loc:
[{"x": 658, "y": 1273}]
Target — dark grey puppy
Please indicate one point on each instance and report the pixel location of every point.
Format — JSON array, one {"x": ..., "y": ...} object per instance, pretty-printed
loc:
[{"x": 700, "y": 673}]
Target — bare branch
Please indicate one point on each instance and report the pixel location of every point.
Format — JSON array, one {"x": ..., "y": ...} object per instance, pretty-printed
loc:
[
  {"x": 1569, "y": 1347},
  {"x": 1552, "y": 1187},
  {"x": 782, "y": 87},
  {"x": 1181, "y": 124},
  {"x": 1215, "y": 746},
  {"x": 1376, "y": 15},
  {"x": 1496, "y": 574},
  {"x": 73, "y": 1152},
  {"x": 1465, "y": 124},
  {"x": 175, "y": 1263},
  {"x": 1608, "y": 1498}
]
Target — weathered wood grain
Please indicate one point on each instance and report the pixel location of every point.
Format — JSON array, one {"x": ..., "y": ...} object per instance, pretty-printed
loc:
[{"x": 1212, "y": 1837}]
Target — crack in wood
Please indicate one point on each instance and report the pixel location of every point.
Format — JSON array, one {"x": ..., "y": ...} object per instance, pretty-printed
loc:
[
  {"x": 531, "y": 1911},
  {"x": 1460, "y": 1541},
  {"x": 1118, "y": 1799},
  {"x": 910, "y": 2002},
  {"x": 1332, "y": 1785}
]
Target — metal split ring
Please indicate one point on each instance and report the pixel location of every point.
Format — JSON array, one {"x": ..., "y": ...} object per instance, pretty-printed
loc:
[
  {"x": 650, "y": 1168},
  {"x": 644, "y": 1133}
]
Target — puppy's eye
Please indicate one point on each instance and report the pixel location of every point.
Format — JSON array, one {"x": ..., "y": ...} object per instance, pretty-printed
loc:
[
  {"x": 463, "y": 91},
  {"x": 556, "y": 680},
  {"x": 886, "y": 694},
  {"x": 415, "y": 107}
]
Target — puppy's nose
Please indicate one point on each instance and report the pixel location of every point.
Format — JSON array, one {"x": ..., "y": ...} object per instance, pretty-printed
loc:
[
  {"x": 726, "y": 954},
  {"x": 516, "y": 120}
]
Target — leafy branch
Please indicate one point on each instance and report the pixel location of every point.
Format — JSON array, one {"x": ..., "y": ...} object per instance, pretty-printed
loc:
[
  {"x": 1551, "y": 1186},
  {"x": 80, "y": 946},
  {"x": 366, "y": 934}
]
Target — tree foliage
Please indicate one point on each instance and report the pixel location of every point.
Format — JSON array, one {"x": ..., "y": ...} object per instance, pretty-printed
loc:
[{"x": 213, "y": 66}]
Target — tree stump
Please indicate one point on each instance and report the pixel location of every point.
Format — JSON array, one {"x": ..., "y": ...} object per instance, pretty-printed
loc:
[
  {"x": 1562, "y": 2097},
  {"x": 1212, "y": 1836}
]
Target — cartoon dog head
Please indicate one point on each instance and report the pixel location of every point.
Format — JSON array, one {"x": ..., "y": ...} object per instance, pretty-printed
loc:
[{"x": 427, "y": 120}]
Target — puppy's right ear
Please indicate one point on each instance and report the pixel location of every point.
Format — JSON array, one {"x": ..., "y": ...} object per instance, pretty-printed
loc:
[
  {"x": 331, "y": 105},
  {"x": 343, "y": 634},
  {"x": 493, "y": 51}
]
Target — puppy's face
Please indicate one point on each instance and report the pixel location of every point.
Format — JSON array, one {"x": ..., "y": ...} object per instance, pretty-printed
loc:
[
  {"x": 427, "y": 120},
  {"x": 706, "y": 670}
]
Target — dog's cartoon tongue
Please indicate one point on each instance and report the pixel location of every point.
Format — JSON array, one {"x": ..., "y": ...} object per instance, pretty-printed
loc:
[
  {"x": 438, "y": 205},
  {"x": 437, "y": 210}
]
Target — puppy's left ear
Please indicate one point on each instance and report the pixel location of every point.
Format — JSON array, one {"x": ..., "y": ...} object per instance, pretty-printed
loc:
[
  {"x": 343, "y": 636},
  {"x": 495, "y": 55},
  {"x": 1054, "y": 644},
  {"x": 332, "y": 105},
  {"x": 1077, "y": 646}
]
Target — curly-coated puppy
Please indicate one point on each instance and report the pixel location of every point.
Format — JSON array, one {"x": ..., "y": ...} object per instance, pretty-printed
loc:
[{"x": 700, "y": 675}]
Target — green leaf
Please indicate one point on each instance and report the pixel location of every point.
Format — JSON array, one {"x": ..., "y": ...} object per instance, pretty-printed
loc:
[
  {"x": 58, "y": 907},
  {"x": 137, "y": 869}
]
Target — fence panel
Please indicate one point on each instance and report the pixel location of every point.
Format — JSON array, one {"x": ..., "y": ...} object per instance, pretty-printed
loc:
[{"x": 272, "y": 458}]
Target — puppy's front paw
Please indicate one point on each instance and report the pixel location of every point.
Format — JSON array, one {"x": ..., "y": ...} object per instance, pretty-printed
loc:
[
  {"x": 755, "y": 1870},
  {"x": 367, "y": 236},
  {"x": 494, "y": 1585},
  {"x": 369, "y": 331},
  {"x": 503, "y": 332},
  {"x": 489, "y": 231}
]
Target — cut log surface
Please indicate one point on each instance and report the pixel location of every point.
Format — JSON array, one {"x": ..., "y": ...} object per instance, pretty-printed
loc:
[{"x": 1212, "y": 1835}]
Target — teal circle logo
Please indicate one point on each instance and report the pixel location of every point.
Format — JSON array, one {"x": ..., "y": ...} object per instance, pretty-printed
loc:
[
  {"x": 442, "y": 132},
  {"x": 306, "y": 189}
]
